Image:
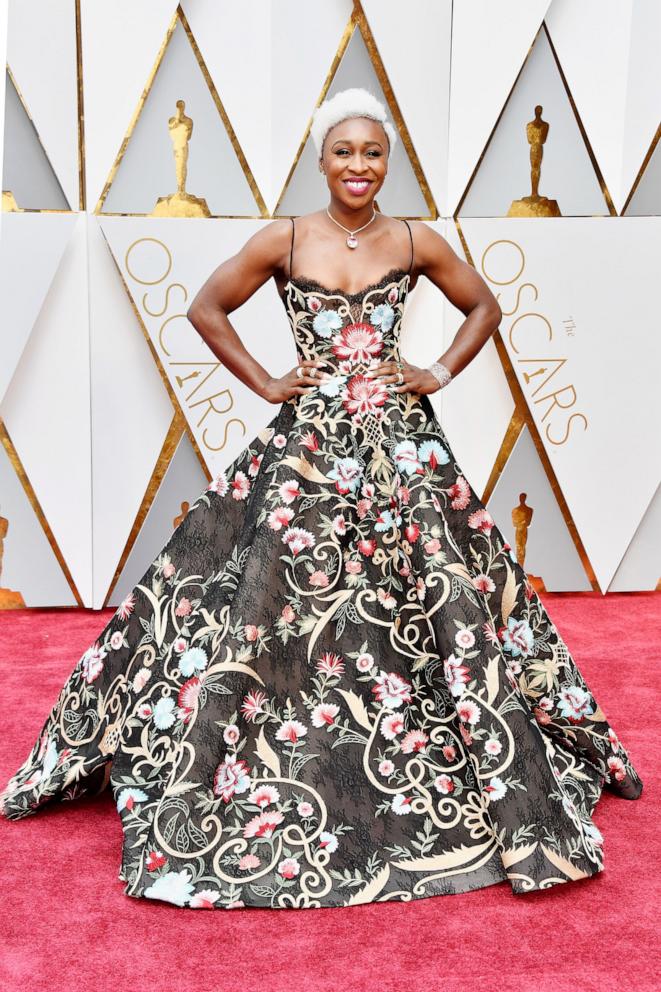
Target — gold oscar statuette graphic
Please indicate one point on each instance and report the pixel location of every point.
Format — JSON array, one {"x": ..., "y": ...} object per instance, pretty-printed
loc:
[
  {"x": 9, "y": 600},
  {"x": 181, "y": 203},
  {"x": 521, "y": 517},
  {"x": 9, "y": 204},
  {"x": 185, "y": 506},
  {"x": 535, "y": 205}
]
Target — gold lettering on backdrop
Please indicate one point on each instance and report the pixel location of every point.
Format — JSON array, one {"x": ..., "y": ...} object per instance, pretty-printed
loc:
[
  {"x": 145, "y": 258},
  {"x": 181, "y": 203},
  {"x": 537, "y": 131},
  {"x": 529, "y": 332}
]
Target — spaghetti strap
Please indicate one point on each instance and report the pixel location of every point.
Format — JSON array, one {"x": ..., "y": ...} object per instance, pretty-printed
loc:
[
  {"x": 291, "y": 250},
  {"x": 411, "y": 237}
]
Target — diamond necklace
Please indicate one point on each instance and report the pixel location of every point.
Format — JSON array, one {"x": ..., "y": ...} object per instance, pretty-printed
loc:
[{"x": 352, "y": 240}]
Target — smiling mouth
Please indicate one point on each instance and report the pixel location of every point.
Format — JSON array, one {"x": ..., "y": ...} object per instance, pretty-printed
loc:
[{"x": 358, "y": 185}]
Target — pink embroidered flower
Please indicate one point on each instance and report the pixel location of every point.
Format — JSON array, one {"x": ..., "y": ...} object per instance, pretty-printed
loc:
[
  {"x": 280, "y": 517},
  {"x": 392, "y": 725},
  {"x": 305, "y": 809},
  {"x": 264, "y": 796},
  {"x": 412, "y": 533},
  {"x": 255, "y": 462},
  {"x": 483, "y": 583},
  {"x": 357, "y": 343},
  {"x": 183, "y": 607},
  {"x": 154, "y": 861},
  {"x": 339, "y": 524},
  {"x": 251, "y": 632},
  {"x": 280, "y": 440},
  {"x": 363, "y": 396},
  {"x": 231, "y": 734},
  {"x": 353, "y": 567},
  {"x": 188, "y": 696},
  {"x": 456, "y": 675},
  {"x": 288, "y": 868},
  {"x": 469, "y": 712},
  {"x": 288, "y": 614},
  {"x": 297, "y": 539},
  {"x": 310, "y": 441},
  {"x": 126, "y": 607},
  {"x": 323, "y": 715},
  {"x": 386, "y": 767},
  {"x": 460, "y": 494},
  {"x": 219, "y": 485},
  {"x": 249, "y": 861},
  {"x": 264, "y": 824},
  {"x": 493, "y": 746},
  {"x": 204, "y": 899},
  {"x": 414, "y": 741},
  {"x": 449, "y": 752},
  {"x": 330, "y": 664},
  {"x": 443, "y": 784},
  {"x": 168, "y": 570},
  {"x": 253, "y": 704},
  {"x": 481, "y": 520},
  {"x": 365, "y": 662},
  {"x": 92, "y": 663},
  {"x": 433, "y": 546},
  {"x": 116, "y": 640},
  {"x": 319, "y": 579},
  {"x": 291, "y": 731},
  {"x": 288, "y": 491},
  {"x": 240, "y": 486}
]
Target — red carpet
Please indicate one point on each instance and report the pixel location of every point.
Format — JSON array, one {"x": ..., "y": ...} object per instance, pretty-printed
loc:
[{"x": 68, "y": 926}]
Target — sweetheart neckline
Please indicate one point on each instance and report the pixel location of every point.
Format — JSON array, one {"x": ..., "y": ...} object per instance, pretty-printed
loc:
[{"x": 338, "y": 291}]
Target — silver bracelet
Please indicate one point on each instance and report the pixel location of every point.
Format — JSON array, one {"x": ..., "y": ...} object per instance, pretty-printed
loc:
[{"x": 440, "y": 372}]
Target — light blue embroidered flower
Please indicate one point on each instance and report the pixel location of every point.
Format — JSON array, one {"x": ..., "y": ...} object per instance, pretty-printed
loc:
[
  {"x": 325, "y": 322},
  {"x": 433, "y": 452},
  {"x": 347, "y": 473},
  {"x": 332, "y": 386},
  {"x": 192, "y": 659},
  {"x": 517, "y": 637},
  {"x": 383, "y": 316},
  {"x": 574, "y": 702},
  {"x": 384, "y": 520},
  {"x": 406, "y": 458},
  {"x": 164, "y": 712},
  {"x": 128, "y": 797}
]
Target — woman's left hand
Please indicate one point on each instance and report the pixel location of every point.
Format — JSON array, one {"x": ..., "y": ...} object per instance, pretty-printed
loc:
[{"x": 416, "y": 380}]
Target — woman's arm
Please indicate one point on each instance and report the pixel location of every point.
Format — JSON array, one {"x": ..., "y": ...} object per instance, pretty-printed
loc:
[
  {"x": 228, "y": 287},
  {"x": 464, "y": 288}
]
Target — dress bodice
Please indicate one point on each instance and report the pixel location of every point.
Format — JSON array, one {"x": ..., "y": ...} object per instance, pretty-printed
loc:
[{"x": 350, "y": 331}]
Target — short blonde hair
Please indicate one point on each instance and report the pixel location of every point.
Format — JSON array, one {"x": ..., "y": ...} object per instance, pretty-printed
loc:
[{"x": 354, "y": 102}]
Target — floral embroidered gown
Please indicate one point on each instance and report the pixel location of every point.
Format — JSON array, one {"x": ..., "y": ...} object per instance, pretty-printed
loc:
[{"x": 335, "y": 684}]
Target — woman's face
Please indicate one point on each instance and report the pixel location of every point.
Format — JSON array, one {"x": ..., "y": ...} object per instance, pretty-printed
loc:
[{"x": 355, "y": 160}]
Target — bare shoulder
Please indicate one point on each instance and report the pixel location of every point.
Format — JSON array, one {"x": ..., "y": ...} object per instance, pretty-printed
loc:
[{"x": 430, "y": 245}]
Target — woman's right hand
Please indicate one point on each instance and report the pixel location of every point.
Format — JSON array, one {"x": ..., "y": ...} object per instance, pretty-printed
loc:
[{"x": 279, "y": 390}]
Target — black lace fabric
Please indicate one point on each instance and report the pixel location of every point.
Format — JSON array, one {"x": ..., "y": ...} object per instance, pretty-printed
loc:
[{"x": 335, "y": 684}]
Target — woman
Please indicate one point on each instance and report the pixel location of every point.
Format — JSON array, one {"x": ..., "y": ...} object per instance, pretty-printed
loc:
[{"x": 335, "y": 684}]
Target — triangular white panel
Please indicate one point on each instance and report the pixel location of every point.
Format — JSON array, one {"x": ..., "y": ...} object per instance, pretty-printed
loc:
[
  {"x": 122, "y": 45},
  {"x": 641, "y": 566},
  {"x": 29, "y": 568},
  {"x": 131, "y": 411},
  {"x": 549, "y": 551},
  {"x": 489, "y": 44},
  {"x": 238, "y": 52},
  {"x": 30, "y": 252},
  {"x": 27, "y": 172},
  {"x": 182, "y": 483},
  {"x": 42, "y": 55},
  {"x": 47, "y": 410},
  {"x": 164, "y": 262},
  {"x": 577, "y": 355},
  {"x": 609, "y": 53},
  {"x": 567, "y": 173}
]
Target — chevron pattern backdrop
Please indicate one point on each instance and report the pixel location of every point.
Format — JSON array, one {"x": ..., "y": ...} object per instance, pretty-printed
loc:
[{"x": 113, "y": 412}]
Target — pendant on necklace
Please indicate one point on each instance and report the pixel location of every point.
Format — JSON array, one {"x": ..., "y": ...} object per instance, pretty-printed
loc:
[{"x": 352, "y": 241}]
